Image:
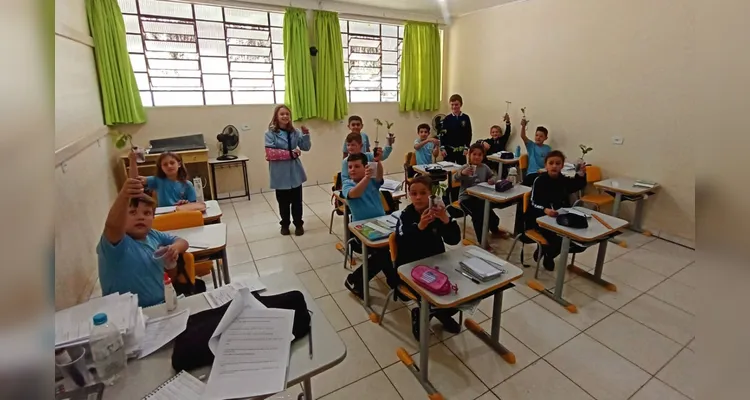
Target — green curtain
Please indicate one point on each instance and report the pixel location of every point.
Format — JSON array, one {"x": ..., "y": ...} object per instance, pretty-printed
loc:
[
  {"x": 420, "y": 68},
  {"x": 300, "y": 86},
  {"x": 121, "y": 102},
  {"x": 330, "y": 83}
]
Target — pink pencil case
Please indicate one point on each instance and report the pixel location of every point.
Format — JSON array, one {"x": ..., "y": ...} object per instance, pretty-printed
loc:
[{"x": 433, "y": 280}]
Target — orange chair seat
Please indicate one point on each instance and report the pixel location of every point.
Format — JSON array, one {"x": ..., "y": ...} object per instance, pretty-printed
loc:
[
  {"x": 599, "y": 199},
  {"x": 456, "y": 183},
  {"x": 534, "y": 235},
  {"x": 406, "y": 292},
  {"x": 203, "y": 268}
]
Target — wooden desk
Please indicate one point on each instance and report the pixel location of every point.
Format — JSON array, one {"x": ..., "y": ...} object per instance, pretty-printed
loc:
[
  {"x": 149, "y": 372},
  {"x": 213, "y": 162},
  {"x": 595, "y": 233},
  {"x": 625, "y": 186},
  {"x": 492, "y": 196},
  {"x": 507, "y": 161},
  {"x": 212, "y": 244},
  {"x": 195, "y": 161},
  {"x": 367, "y": 243},
  {"x": 467, "y": 291}
]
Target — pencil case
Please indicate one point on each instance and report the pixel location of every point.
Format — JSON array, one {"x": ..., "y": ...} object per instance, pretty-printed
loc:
[{"x": 433, "y": 280}]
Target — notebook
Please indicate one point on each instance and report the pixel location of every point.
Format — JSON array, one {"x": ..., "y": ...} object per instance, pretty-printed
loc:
[
  {"x": 644, "y": 184},
  {"x": 480, "y": 269},
  {"x": 373, "y": 231},
  {"x": 182, "y": 386}
]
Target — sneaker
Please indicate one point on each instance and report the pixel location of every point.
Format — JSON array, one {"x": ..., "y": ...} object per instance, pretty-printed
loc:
[
  {"x": 549, "y": 263},
  {"x": 449, "y": 324},
  {"x": 349, "y": 284},
  {"x": 285, "y": 231},
  {"x": 415, "y": 323},
  {"x": 299, "y": 231}
]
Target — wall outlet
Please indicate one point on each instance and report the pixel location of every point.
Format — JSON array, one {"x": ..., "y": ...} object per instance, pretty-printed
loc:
[
  {"x": 618, "y": 140},
  {"x": 245, "y": 127}
]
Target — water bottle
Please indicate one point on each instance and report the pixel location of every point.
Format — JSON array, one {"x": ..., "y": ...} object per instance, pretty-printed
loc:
[
  {"x": 198, "y": 184},
  {"x": 170, "y": 295},
  {"x": 518, "y": 151},
  {"x": 107, "y": 350},
  {"x": 513, "y": 175}
]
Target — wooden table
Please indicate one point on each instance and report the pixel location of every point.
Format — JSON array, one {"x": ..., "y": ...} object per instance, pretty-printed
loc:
[
  {"x": 210, "y": 243},
  {"x": 148, "y": 373},
  {"x": 625, "y": 186},
  {"x": 595, "y": 233},
  {"x": 213, "y": 162},
  {"x": 467, "y": 291},
  {"x": 507, "y": 161},
  {"x": 489, "y": 195}
]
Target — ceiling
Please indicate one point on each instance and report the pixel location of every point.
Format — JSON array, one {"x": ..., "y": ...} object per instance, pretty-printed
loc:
[{"x": 455, "y": 7}]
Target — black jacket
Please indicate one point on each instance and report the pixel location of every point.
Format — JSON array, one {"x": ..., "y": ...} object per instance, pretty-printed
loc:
[
  {"x": 415, "y": 244},
  {"x": 548, "y": 192},
  {"x": 497, "y": 145},
  {"x": 457, "y": 131}
]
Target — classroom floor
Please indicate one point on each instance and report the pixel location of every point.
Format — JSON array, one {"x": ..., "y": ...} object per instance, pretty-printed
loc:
[{"x": 637, "y": 343}]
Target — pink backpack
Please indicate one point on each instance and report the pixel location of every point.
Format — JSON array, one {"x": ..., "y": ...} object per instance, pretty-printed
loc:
[{"x": 433, "y": 280}]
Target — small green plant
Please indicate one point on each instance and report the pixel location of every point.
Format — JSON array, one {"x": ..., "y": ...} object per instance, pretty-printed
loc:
[
  {"x": 379, "y": 123},
  {"x": 584, "y": 150},
  {"x": 121, "y": 139},
  {"x": 439, "y": 189}
]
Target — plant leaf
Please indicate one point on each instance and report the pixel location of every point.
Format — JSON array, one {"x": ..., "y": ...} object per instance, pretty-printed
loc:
[{"x": 121, "y": 142}]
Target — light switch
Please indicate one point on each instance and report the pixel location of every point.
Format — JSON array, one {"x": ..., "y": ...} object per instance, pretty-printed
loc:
[{"x": 617, "y": 140}]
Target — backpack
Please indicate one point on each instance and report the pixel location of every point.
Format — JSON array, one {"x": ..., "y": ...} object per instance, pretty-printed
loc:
[{"x": 188, "y": 288}]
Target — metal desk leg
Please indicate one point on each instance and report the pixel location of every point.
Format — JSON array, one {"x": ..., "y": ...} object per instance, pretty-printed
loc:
[
  {"x": 244, "y": 179},
  {"x": 307, "y": 389},
  {"x": 493, "y": 339},
  {"x": 615, "y": 212},
  {"x": 421, "y": 372},
  {"x": 559, "y": 280},
  {"x": 374, "y": 317},
  {"x": 486, "y": 223},
  {"x": 214, "y": 190},
  {"x": 597, "y": 276},
  {"x": 342, "y": 246},
  {"x": 638, "y": 218},
  {"x": 225, "y": 266}
]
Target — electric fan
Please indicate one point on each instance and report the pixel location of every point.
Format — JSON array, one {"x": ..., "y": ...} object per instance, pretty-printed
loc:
[
  {"x": 437, "y": 122},
  {"x": 228, "y": 139}
]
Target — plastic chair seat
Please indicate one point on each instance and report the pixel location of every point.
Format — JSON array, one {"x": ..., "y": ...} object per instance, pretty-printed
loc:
[
  {"x": 534, "y": 235},
  {"x": 404, "y": 290},
  {"x": 599, "y": 199}
]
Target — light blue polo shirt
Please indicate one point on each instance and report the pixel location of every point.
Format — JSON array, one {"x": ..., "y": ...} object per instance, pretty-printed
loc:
[
  {"x": 129, "y": 266},
  {"x": 169, "y": 192},
  {"x": 536, "y": 156},
  {"x": 365, "y": 144},
  {"x": 370, "y": 156},
  {"x": 366, "y": 206},
  {"x": 424, "y": 153}
]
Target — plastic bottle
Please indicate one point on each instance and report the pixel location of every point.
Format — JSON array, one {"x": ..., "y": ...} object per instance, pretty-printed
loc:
[
  {"x": 198, "y": 184},
  {"x": 513, "y": 175},
  {"x": 170, "y": 295},
  {"x": 107, "y": 350},
  {"x": 518, "y": 151}
]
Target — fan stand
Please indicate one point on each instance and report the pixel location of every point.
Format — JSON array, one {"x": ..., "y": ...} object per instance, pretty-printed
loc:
[{"x": 224, "y": 156}]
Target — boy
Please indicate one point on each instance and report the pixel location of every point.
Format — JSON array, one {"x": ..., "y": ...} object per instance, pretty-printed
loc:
[
  {"x": 457, "y": 126},
  {"x": 420, "y": 233},
  {"x": 471, "y": 174},
  {"x": 355, "y": 125},
  {"x": 362, "y": 192},
  {"x": 354, "y": 146},
  {"x": 126, "y": 248},
  {"x": 496, "y": 143},
  {"x": 425, "y": 147},
  {"x": 536, "y": 149}
]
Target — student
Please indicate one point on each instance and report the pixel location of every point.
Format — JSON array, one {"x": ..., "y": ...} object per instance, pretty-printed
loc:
[
  {"x": 126, "y": 248},
  {"x": 536, "y": 149},
  {"x": 426, "y": 147},
  {"x": 496, "y": 143},
  {"x": 550, "y": 192},
  {"x": 420, "y": 233},
  {"x": 354, "y": 146},
  {"x": 171, "y": 183},
  {"x": 283, "y": 144},
  {"x": 362, "y": 192},
  {"x": 355, "y": 125},
  {"x": 471, "y": 174},
  {"x": 457, "y": 126}
]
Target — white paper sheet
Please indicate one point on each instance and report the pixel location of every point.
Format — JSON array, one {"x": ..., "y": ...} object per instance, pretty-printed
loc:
[
  {"x": 73, "y": 325},
  {"x": 487, "y": 185},
  {"x": 223, "y": 294},
  {"x": 390, "y": 185},
  {"x": 160, "y": 331},
  {"x": 242, "y": 299},
  {"x": 165, "y": 210},
  {"x": 182, "y": 386}
]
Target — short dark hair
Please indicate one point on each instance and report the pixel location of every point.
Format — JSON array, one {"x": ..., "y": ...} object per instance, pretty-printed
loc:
[
  {"x": 145, "y": 199},
  {"x": 554, "y": 153},
  {"x": 354, "y": 137},
  {"x": 456, "y": 97},
  {"x": 423, "y": 126},
  {"x": 543, "y": 130},
  {"x": 357, "y": 157},
  {"x": 354, "y": 118},
  {"x": 423, "y": 179},
  {"x": 476, "y": 146}
]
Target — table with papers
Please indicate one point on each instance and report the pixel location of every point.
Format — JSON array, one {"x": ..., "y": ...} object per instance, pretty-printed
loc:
[
  {"x": 487, "y": 192},
  {"x": 497, "y": 157}
]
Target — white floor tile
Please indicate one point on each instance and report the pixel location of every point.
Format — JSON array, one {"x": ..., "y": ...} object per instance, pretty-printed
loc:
[
  {"x": 615, "y": 300},
  {"x": 676, "y": 294},
  {"x": 664, "y": 247},
  {"x": 314, "y": 238},
  {"x": 312, "y": 222},
  {"x": 256, "y": 219},
  {"x": 238, "y": 254},
  {"x": 327, "y": 187},
  {"x": 643, "y": 346},
  {"x": 314, "y": 194},
  {"x": 661, "y": 317},
  {"x": 588, "y": 257},
  {"x": 690, "y": 275},
  {"x": 449, "y": 376},
  {"x": 537, "y": 328},
  {"x": 291, "y": 393},
  {"x": 635, "y": 239},
  {"x": 322, "y": 209},
  {"x": 374, "y": 387},
  {"x": 590, "y": 311},
  {"x": 597, "y": 369},
  {"x": 247, "y": 268},
  {"x": 333, "y": 277},
  {"x": 322, "y": 256},
  {"x": 633, "y": 275},
  {"x": 663, "y": 264},
  {"x": 272, "y": 247},
  {"x": 511, "y": 298},
  {"x": 437, "y": 328},
  {"x": 487, "y": 396},
  {"x": 333, "y": 313},
  {"x": 681, "y": 373},
  {"x": 484, "y": 361},
  {"x": 248, "y": 208},
  {"x": 540, "y": 381},
  {"x": 294, "y": 262},
  {"x": 657, "y": 390},
  {"x": 352, "y": 306},
  {"x": 262, "y": 232},
  {"x": 235, "y": 235},
  {"x": 313, "y": 284},
  {"x": 357, "y": 365}
]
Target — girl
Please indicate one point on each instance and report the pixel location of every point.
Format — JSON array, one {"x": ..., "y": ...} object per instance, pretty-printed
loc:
[
  {"x": 283, "y": 144},
  {"x": 551, "y": 191},
  {"x": 420, "y": 233},
  {"x": 171, "y": 183},
  {"x": 471, "y": 174}
]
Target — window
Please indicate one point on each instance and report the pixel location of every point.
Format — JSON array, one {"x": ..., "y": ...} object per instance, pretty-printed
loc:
[
  {"x": 193, "y": 54},
  {"x": 372, "y": 60}
]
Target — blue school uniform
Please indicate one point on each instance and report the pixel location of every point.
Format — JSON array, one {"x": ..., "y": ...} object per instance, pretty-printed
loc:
[
  {"x": 424, "y": 153},
  {"x": 169, "y": 192},
  {"x": 536, "y": 156},
  {"x": 287, "y": 174},
  {"x": 370, "y": 156},
  {"x": 129, "y": 266},
  {"x": 366, "y": 206},
  {"x": 365, "y": 144}
]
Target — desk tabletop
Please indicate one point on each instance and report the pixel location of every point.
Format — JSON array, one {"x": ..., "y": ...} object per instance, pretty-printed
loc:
[
  {"x": 496, "y": 157},
  {"x": 483, "y": 192},
  {"x": 147, "y": 374},
  {"x": 594, "y": 232},
  {"x": 240, "y": 158},
  {"x": 213, "y": 211},
  {"x": 398, "y": 194},
  {"x": 213, "y": 237},
  {"x": 180, "y": 152},
  {"x": 447, "y": 263},
  {"x": 367, "y": 242},
  {"x": 420, "y": 168},
  {"x": 623, "y": 185}
]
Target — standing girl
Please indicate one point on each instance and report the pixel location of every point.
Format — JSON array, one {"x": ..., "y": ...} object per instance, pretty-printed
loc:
[
  {"x": 283, "y": 144},
  {"x": 171, "y": 183}
]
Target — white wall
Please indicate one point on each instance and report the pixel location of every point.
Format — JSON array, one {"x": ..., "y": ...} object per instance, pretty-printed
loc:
[{"x": 589, "y": 70}]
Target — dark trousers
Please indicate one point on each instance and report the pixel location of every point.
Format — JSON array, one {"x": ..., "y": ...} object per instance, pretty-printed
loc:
[
  {"x": 290, "y": 199},
  {"x": 377, "y": 260},
  {"x": 475, "y": 207}
]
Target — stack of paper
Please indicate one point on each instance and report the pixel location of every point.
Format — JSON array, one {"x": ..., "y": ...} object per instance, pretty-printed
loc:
[
  {"x": 480, "y": 269},
  {"x": 390, "y": 185},
  {"x": 223, "y": 294},
  {"x": 644, "y": 184},
  {"x": 447, "y": 164}
]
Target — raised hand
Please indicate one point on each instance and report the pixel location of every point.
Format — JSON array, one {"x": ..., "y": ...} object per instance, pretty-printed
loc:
[
  {"x": 524, "y": 122},
  {"x": 132, "y": 188},
  {"x": 304, "y": 130}
]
